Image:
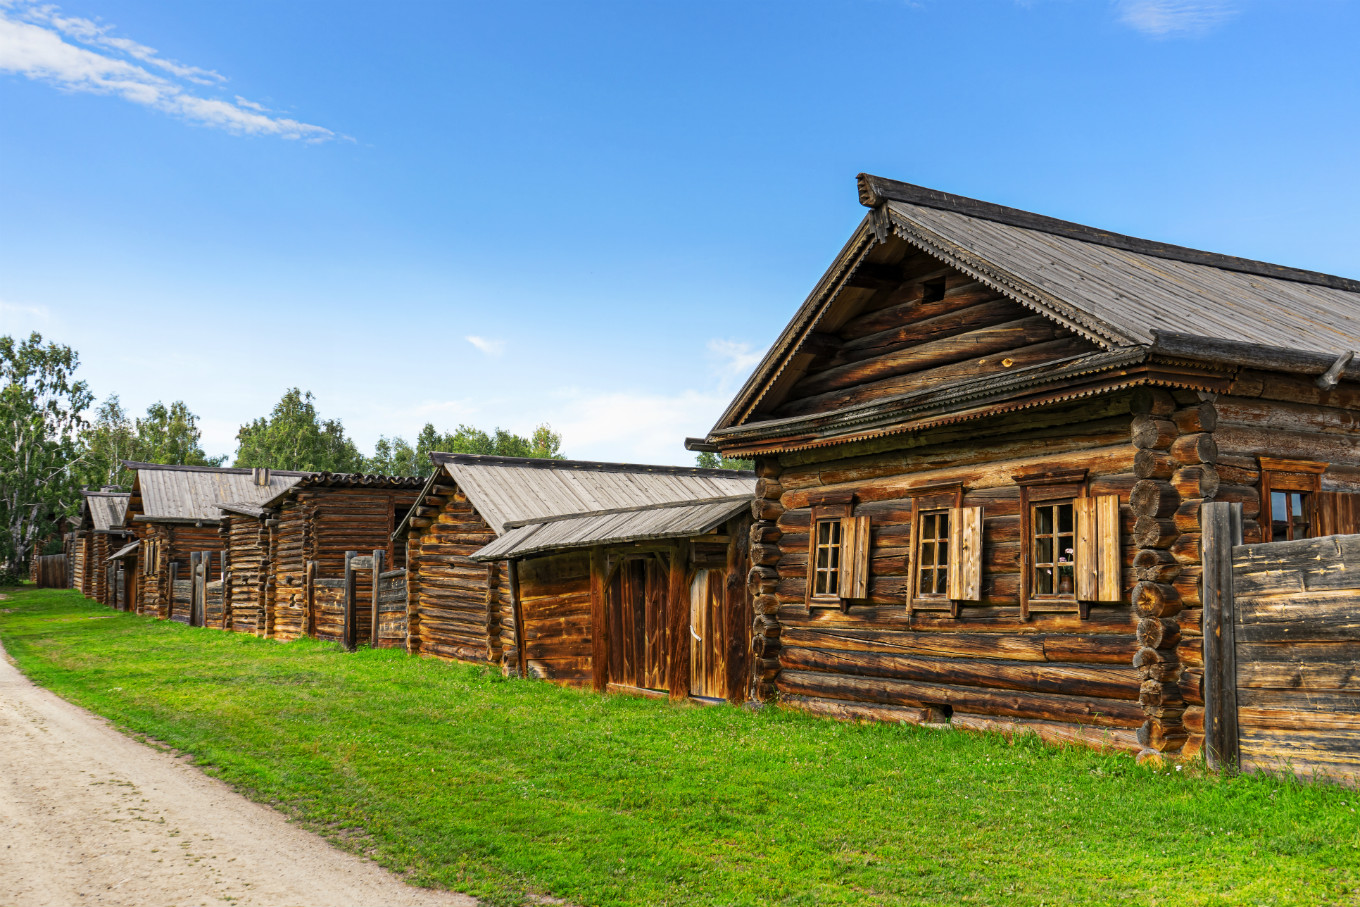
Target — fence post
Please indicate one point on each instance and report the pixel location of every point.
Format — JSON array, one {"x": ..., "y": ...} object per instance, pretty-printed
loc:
[
  {"x": 1222, "y": 524},
  {"x": 308, "y": 598},
  {"x": 174, "y": 571},
  {"x": 378, "y": 555},
  {"x": 350, "y": 595}
]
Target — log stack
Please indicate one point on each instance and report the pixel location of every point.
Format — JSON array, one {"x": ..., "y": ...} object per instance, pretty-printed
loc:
[{"x": 763, "y": 578}]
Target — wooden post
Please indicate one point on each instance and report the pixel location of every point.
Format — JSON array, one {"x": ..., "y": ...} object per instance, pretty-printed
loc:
[
  {"x": 513, "y": 569},
  {"x": 351, "y": 594},
  {"x": 599, "y": 621},
  {"x": 1222, "y": 530},
  {"x": 677, "y": 610},
  {"x": 308, "y": 597},
  {"x": 378, "y": 555}
]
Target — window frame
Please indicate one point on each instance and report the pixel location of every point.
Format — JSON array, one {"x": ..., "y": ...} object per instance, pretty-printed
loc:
[
  {"x": 1055, "y": 534},
  {"x": 1289, "y": 476},
  {"x": 931, "y": 499},
  {"x": 825, "y": 508},
  {"x": 1047, "y": 488}
]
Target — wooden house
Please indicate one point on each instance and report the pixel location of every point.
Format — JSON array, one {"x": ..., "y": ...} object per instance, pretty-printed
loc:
[
  {"x": 983, "y": 444},
  {"x": 101, "y": 517},
  {"x": 574, "y": 539},
  {"x": 174, "y": 512},
  {"x": 307, "y": 530}
]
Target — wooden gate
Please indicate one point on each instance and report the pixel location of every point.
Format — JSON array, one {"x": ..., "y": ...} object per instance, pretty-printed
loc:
[
  {"x": 50, "y": 572},
  {"x": 707, "y": 643},
  {"x": 1281, "y": 651},
  {"x": 390, "y": 609},
  {"x": 639, "y": 639},
  {"x": 338, "y": 611}
]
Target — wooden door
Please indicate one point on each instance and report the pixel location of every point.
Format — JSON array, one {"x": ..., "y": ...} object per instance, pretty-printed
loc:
[
  {"x": 638, "y": 633},
  {"x": 707, "y": 645}
]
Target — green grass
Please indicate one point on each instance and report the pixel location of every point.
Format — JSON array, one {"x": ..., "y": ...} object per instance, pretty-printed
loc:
[{"x": 459, "y": 778}]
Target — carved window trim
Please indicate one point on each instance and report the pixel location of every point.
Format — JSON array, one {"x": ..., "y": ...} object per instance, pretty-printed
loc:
[
  {"x": 1046, "y": 488},
  {"x": 1302, "y": 477},
  {"x": 927, "y": 500}
]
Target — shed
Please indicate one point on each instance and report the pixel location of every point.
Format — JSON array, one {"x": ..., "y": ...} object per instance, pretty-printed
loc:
[
  {"x": 97, "y": 530},
  {"x": 174, "y": 512},
  {"x": 495, "y": 535},
  {"x": 983, "y": 444},
  {"x": 311, "y": 527}
]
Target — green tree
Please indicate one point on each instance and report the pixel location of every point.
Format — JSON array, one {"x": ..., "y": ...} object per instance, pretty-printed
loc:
[
  {"x": 399, "y": 457},
  {"x": 295, "y": 437},
  {"x": 41, "y": 415},
  {"x": 710, "y": 460},
  {"x": 168, "y": 434}
]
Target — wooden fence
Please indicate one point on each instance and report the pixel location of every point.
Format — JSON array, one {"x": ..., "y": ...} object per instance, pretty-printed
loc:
[
  {"x": 1281, "y": 651},
  {"x": 49, "y": 572},
  {"x": 335, "y": 610}
]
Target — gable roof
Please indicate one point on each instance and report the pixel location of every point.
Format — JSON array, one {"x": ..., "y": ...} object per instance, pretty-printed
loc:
[
  {"x": 347, "y": 480},
  {"x": 191, "y": 494},
  {"x": 681, "y": 519},
  {"x": 107, "y": 509},
  {"x": 1121, "y": 292},
  {"x": 515, "y": 489}
]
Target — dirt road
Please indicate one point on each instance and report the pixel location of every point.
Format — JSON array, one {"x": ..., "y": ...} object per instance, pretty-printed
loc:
[{"x": 89, "y": 816}]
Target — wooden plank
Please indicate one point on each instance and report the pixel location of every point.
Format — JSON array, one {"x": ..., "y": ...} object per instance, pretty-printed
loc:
[
  {"x": 854, "y": 574},
  {"x": 1222, "y": 528},
  {"x": 1109, "y": 583},
  {"x": 965, "y": 554},
  {"x": 376, "y": 565},
  {"x": 350, "y": 602},
  {"x": 1087, "y": 555},
  {"x": 1326, "y": 564},
  {"x": 599, "y": 621}
]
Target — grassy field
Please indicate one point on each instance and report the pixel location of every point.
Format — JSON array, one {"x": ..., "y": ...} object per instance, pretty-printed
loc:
[{"x": 499, "y": 788}]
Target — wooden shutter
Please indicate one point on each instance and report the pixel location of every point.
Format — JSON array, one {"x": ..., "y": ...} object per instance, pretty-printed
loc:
[
  {"x": 1098, "y": 557},
  {"x": 854, "y": 575},
  {"x": 1338, "y": 513},
  {"x": 965, "y": 554}
]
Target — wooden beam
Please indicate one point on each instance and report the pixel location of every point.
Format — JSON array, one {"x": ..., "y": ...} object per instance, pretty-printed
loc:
[
  {"x": 1222, "y": 530},
  {"x": 677, "y": 613},
  {"x": 599, "y": 623}
]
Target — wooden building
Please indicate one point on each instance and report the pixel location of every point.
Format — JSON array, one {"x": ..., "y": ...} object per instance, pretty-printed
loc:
[
  {"x": 983, "y": 444},
  {"x": 311, "y": 526},
  {"x": 174, "y": 512},
  {"x": 664, "y": 587},
  {"x": 465, "y": 608},
  {"x": 102, "y": 515}
]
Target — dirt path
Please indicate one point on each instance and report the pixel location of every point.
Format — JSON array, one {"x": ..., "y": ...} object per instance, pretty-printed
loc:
[{"x": 89, "y": 816}]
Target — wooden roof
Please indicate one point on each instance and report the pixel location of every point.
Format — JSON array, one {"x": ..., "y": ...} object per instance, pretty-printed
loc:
[
  {"x": 192, "y": 493},
  {"x": 106, "y": 509},
  {"x": 681, "y": 519},
  {"x": 347, "y": 480},
  {"x": 1133, "y": 298},
  {"x": 508, "y": 490}
]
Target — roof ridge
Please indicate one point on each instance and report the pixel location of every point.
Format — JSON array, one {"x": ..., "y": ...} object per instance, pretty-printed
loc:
[
  {"x": 234, "y": 470},
  {"x": 665, "y": 505},
  {"x": 443, "y": 458},
  {"x": 876, "y": 190}
]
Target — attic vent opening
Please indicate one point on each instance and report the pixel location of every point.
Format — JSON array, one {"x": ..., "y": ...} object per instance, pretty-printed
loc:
[
  {"x": 260, "y": 474},
  {"x": 933, "y": 290}
]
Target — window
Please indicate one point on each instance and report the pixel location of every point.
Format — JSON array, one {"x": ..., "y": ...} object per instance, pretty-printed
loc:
[
  {"x": 932, "y": 555},
  {"x": 1053, "y": 546},
  {"x": 1070, "y": 553},
  {"x": 827, "y": 566},
  {"x": 1289, "y": 490},
  {"x": 838, "y": 553}
]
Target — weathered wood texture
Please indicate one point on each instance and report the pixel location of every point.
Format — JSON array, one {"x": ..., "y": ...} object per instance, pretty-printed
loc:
[
  {"x": 392, "y": 609},
  {"x": 82, "y": 577},
  {"x": 317, "y": 525},
  {"x": 247, "y": 546},
  {"x": 174, "y": 543},
  {"x": 457, "y": 602},
  {"x": 989, "y": 661},
  {"x": 554, "y": 594},
  {"x": 1297, "y": 624},
  {"x": 49, "y": 571}
]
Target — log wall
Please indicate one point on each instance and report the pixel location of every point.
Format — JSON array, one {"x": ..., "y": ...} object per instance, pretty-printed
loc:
[
  {"x": 455, "y": 603},
  {"x": 1054, "y": 672},
  {"x": 178, "y": 541},
  {"x": 554, "y": 596},
  {"x": 247, "y": 542}
]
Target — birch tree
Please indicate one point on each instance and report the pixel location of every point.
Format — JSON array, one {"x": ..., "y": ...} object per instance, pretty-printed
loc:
[{"x": 41, "y": 414}]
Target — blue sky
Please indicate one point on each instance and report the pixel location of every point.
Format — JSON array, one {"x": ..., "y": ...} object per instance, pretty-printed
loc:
[{"x": 599, "y": 215}]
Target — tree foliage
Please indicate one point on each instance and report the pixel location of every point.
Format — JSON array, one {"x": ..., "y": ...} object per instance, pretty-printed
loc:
[
  {"x": 41, "y": 414},
  {"x": 709, "y": 460},
  {"x": 294, "y": 436},
  {"x": 168, "y": 434},
  {"x": 399, "y": 457}
]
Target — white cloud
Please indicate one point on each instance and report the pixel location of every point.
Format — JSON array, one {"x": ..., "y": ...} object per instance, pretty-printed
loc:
[
  {"x": 735, "y": 360},
  {"x": 1172, "y": 18},
  {"x": 634, "y": 427},
  {"x": 32, "y": 45},
  {"x": 16, "y": 317},
  {"x": 489, "y": 347}
]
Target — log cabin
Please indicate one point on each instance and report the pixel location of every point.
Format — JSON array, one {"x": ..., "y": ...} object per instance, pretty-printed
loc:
[
  {"x": 463, "y": 608},
  {"x": 174, "y": 512},
  {"x": 101, "y": 517},
  {"x": 665, "y": 589},
  {"x": 983, "y": 443},
  {"x": 311, "y": 526}
]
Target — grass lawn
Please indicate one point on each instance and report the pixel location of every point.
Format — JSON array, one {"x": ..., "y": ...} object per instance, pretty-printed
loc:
[{"x": 496, "y": 787}]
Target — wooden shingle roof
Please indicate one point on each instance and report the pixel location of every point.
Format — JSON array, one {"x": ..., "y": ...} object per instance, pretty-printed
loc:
[{"x": 193, "y": 493}]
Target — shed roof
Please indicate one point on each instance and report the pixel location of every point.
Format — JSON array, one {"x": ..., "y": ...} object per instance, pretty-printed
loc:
[
  {"x": 348, "y": 480},
  {"x": 107, "y": 509},
  {"x": 514, "y": 489},
  {"x": 125, "y": 551},
  {"x": 680, "y": 519},
  {"x": 193, "y": 493}
]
